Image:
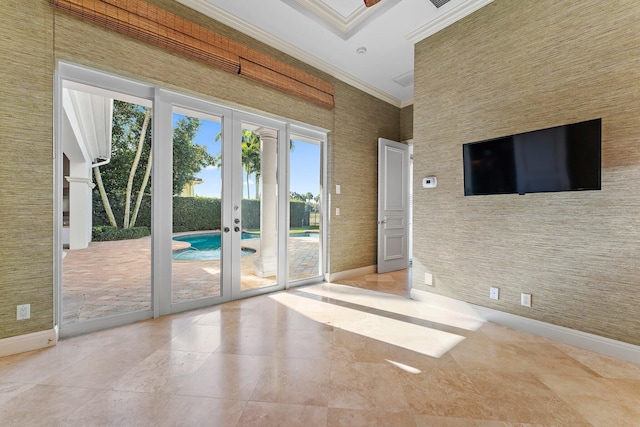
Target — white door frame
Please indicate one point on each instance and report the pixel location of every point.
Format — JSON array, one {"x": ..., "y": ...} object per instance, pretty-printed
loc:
[
  {"x": 393, "y": 205},
  {"x": 162, "y": 103}
]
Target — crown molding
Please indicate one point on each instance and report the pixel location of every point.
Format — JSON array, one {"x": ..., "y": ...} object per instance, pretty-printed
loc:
[
  {"x": 406, "y": 103},
  {"x": 447, "y": 18},
  {"x": 330, "y": 16},
  {"x": 220, "y": 15}
]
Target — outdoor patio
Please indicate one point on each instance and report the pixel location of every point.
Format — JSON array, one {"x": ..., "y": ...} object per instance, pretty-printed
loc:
[{"x": 114, "y": 277}]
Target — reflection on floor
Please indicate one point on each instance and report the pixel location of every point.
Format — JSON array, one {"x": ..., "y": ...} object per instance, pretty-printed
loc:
[{"x": 324, "y": 355}]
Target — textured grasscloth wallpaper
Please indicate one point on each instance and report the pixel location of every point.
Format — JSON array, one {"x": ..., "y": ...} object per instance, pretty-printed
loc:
[
  {"x": 406, "y": 123},
  {"x": 516, "y": 66},
  {"x": 359, "y": 121},
  {"x": 26, "y": 165},
  {"x": 28, "y": 53}
]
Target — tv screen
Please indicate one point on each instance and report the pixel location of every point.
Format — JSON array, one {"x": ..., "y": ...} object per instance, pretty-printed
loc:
[{"x": 562, "y": 158}]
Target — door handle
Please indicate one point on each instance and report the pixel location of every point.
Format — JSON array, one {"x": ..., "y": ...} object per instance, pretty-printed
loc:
[
  {"x": 236, "y": 228},
  {"x": 226, "y": 229}
]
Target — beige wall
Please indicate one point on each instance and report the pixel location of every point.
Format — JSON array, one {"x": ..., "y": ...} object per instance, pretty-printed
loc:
[
  {"x": 26, "y": 165},
  {"x": 406, "y": 123},
  {"x": 359, "y": 121},
  {"x": 28, "y": 57},
  {"x": 516, "y": 66}
]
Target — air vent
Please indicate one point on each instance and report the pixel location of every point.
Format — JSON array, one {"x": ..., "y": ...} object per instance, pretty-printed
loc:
[
  {"x": 405, "y": 80},
  {"x": 438, "y": 3}
]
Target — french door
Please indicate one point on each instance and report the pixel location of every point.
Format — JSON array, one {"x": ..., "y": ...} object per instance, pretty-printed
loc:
[
  {"x": 205, "y": 217},
  {"x": 233, "y": 253}
]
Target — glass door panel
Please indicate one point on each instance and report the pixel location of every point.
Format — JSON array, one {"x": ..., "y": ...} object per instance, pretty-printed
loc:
[
  {"x": 197, "y": 244},
  {"x": 106, "y": 206},
  {"x": 259, "y": 222},
  {"x": 305, "y": 219}
]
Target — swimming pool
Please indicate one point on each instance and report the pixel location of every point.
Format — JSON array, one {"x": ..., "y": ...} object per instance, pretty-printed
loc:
[{"x": 206, "y": 246}]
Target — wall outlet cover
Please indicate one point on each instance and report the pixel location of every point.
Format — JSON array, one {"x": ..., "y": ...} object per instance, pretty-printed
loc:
[
  {"x": 428, "y": 279},
  {"x": 494, "y": 293},
  {"x": 23, "y": 312}
]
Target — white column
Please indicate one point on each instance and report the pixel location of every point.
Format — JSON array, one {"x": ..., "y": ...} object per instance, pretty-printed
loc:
[
  {"x": 80, "y": 205},
  {"x": 266, "y": 264}
]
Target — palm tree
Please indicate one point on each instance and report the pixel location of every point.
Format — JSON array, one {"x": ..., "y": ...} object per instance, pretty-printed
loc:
[{"x": 250, "y": 157}]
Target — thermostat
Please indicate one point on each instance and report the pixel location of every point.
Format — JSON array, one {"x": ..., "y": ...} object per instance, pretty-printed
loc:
[{"x": 429, "y": 182}]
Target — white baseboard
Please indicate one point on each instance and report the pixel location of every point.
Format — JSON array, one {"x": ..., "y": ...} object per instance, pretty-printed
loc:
[
  {"x": 347, "y": 274},
  {"x": 618, "y": 349},
  {"x": 446, "y": 303},
  {"x": 28, "y": 342}
]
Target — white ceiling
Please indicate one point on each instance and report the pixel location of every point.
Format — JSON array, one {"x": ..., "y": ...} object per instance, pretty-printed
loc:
[{"x": 328, "y": 34}]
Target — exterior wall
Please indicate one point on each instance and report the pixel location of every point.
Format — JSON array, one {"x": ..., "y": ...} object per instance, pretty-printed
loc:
[
  {"x": 26, "y": 128},
  {"x": 516, "y": 66}
]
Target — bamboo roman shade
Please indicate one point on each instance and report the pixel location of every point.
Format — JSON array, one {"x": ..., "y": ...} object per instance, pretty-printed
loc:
[{"x": 156, "y": 26}]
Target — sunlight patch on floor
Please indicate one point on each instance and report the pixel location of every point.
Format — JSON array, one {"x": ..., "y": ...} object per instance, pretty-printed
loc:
[
  {"x": 396, "y": 304},
  {"x": 430, "y": 342}
]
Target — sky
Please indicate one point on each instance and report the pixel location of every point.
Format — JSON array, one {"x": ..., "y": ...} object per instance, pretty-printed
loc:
[{"x": 304, "y": 160}]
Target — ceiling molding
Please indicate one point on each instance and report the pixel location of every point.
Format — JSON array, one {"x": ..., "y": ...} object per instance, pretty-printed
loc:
[
  {"x": 343, "y": 27},
  {"x": 406, "y": 103},
  {"x": 447, "y": 18},
  {"x": 220, "y": 15},
  {"x": 330, "y": 16}
]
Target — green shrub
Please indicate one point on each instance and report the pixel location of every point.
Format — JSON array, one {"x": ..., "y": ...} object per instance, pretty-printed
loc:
[
  {"x": 298, "y": 218},
  {"x": 250, "y": 214},
  {"x": 193, "y": 213},
  {"x": 106, "y": 233},
  {"x": 196, "y": 213}
]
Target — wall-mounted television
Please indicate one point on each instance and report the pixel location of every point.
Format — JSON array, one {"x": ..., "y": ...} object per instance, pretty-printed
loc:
[{"x": 562, "y": 158}]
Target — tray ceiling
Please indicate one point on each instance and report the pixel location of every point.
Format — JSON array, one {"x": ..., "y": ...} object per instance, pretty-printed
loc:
[{"x": 369, "y": 48}]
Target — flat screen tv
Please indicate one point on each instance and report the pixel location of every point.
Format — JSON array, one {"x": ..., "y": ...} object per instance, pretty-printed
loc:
[{"x": 562, "y": 158}]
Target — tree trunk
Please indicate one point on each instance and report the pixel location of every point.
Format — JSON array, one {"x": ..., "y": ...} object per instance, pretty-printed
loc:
[
  {"x": 134, "y": 166},
  {"x": 247, "y": 171},
  {"x": 257, "y": 185},
  {"x": 143, "y": 186},
  {"x": 105, "y": 199}
]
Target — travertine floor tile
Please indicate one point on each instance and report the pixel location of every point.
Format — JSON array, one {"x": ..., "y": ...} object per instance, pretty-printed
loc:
[
  {"x": 366, "y": 418},
  {"x": 231, "y": 376},
  {"x": 122, "y": 408},
  {"x": 261, "y": 414},
  {"x": 296, "y": 358},
  {"x": 43, "y": 405},
  {"x": 368, "y": 386},
  {"x": 297, "y": 381},
  {"x": 162, "y": 372}
]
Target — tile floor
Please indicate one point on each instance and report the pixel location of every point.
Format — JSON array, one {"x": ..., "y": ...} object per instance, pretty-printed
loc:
[{"x": 324, "y": 355}]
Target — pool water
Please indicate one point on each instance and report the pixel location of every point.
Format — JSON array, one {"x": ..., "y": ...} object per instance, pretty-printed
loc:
[
  {"x": 206, "y": 246},
  {"x": 304, "y": 234}
]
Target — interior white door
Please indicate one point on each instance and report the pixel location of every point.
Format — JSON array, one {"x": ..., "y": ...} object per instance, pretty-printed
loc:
[{"x": 393, "y": 205}]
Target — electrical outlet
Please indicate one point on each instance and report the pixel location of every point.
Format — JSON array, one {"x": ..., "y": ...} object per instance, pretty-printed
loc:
[
  {"x": 428, "y": 279},
  {"x": 23, "y": 312},
  {"x": 494, "y": 293},
  {"x": 525, "y": 300}
]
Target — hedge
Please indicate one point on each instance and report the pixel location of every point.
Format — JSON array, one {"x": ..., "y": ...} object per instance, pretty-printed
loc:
[
  {"x": 106, "y": 233},
  {"x": 193, "y": 213}
]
